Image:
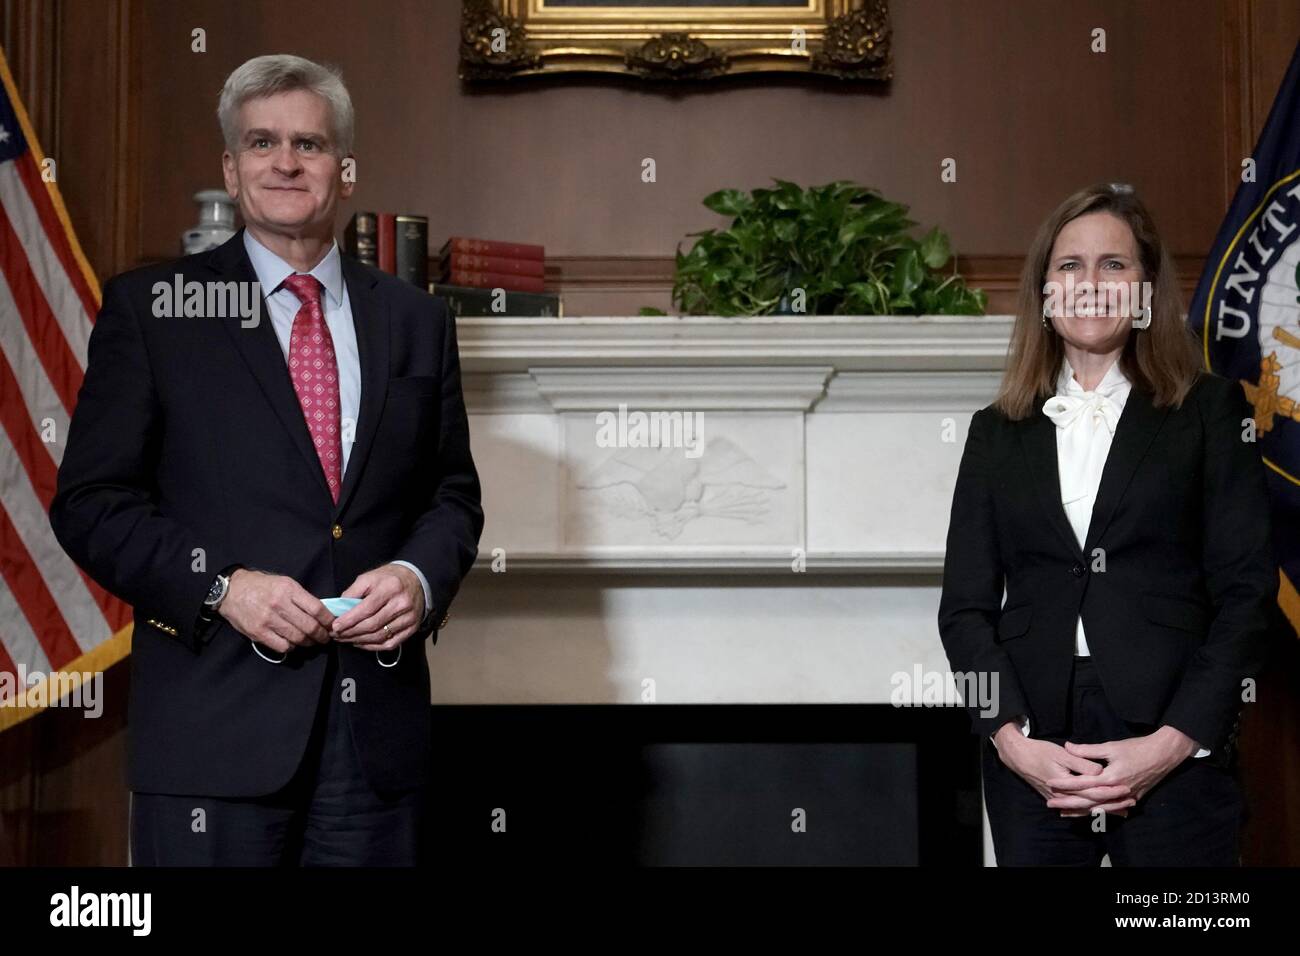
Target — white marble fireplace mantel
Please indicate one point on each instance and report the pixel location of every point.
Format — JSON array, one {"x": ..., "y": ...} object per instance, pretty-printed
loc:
[
  {"x": 834, "y": 438},
  {"x": 830, "y": 442}
]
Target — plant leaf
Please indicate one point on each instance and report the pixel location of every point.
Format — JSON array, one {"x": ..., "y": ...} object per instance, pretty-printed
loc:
[
  {"x": 935, "y": 250},
  {"x": 728, "y": 202},
  {"x": 907, "y": 275}
]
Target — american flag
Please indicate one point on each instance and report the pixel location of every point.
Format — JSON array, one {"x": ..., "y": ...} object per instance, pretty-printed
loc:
[{"x": 54, "y": 620}]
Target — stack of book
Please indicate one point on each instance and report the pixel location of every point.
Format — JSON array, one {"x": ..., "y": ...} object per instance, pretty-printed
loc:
[
  {"x": 490, "y": 264},
  {"x": 475, "y": 276},
  {"x": 491, "y": 277},
  {"x": 397, "y": 244}
]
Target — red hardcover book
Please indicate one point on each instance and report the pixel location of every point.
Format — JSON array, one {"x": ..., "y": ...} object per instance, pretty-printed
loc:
[
  {"x": 495, "y": 280},
  {"x": 386, "y": 241},
  {"x": 491, "y": 247},
  {"x": 472, "y": 263}
]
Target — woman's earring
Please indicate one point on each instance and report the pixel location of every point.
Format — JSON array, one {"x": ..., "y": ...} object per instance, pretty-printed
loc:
[{"x": 1046, "y": 324}]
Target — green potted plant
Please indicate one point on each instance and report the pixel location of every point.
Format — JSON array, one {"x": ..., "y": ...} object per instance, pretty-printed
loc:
[{"x": 838, "y": 249}]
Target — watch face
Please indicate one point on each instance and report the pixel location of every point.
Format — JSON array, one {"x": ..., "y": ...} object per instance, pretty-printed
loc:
[{"x": 214, "y": 593}]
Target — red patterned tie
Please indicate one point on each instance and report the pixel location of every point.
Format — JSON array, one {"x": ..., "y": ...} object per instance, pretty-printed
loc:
[{"x": 315, "y": 373}]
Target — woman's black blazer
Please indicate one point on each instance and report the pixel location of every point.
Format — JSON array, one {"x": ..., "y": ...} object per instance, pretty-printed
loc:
[{"x": 1177, "y": 580}]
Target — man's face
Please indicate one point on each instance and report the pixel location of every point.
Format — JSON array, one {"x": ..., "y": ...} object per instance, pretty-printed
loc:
[{"x": 286, "y": 175}]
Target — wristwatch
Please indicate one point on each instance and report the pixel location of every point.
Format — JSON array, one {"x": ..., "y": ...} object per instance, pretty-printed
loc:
[{"x": 217, "y": 593}]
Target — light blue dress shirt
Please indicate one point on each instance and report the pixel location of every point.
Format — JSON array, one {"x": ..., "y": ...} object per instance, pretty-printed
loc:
[{"x": 283, "y": 306}]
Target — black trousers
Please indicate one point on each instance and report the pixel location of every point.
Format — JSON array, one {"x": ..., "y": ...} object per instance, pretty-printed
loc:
[
  {"x": 1191, "y": 818},
  {"x": 327, "y": 815}
]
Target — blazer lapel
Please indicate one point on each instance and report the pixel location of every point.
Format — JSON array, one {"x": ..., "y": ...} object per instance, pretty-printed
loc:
[
  {"x": 371, "y": 320},
  {"x": 1137, "y": 426},
  {"x": 261, "y": 351},
  {"x": 1038, "y": 441}
]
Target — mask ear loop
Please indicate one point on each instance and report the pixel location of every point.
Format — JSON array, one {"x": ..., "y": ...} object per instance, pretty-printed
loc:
[{"x": 283, "y": 654}]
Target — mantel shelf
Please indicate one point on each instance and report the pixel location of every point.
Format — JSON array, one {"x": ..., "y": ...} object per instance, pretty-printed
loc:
[
  {"x": 844, "y": 343},
  {"x": 928, "y": 563}
]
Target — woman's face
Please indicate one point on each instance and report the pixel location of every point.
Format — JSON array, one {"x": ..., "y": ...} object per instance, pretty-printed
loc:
[{"x": 1092, "y": 286}]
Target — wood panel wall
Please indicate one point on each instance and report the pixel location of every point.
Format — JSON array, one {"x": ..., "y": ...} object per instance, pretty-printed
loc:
[{"x": 1008, "y": 88}]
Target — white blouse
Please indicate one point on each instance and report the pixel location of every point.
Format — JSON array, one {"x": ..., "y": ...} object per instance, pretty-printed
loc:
[{"x": 1085, "y": 426}]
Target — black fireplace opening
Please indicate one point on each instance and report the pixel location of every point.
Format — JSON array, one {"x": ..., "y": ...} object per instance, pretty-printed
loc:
[{"x": 703, "y": 785}]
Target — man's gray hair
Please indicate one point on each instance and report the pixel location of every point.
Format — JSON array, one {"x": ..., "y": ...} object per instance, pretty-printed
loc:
[{"x": 283, "y": 73}]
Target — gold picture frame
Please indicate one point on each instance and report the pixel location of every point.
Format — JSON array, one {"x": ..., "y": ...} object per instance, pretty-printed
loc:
[{"x": 502, "y": 39}]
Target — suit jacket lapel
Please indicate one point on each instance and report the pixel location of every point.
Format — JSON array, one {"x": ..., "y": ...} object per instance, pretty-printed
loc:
[
  {"x": 371, "y": 320},
  {"x": 261, "y": 351},
  {"x": 1137, "y": 426}
]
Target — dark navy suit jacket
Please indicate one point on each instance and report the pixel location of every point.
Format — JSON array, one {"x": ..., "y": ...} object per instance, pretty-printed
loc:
[{"x": 188, "y": 452}]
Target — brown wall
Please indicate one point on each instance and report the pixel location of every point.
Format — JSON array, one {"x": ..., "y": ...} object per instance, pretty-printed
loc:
[{"x": 1009, "y": 88}]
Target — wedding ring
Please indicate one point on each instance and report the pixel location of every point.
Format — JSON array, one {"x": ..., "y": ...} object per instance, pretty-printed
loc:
[{"x": 389, "y": 633}]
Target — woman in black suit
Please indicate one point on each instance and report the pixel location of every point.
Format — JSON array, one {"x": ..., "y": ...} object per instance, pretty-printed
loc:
[{"x": 1115, "y": 490}]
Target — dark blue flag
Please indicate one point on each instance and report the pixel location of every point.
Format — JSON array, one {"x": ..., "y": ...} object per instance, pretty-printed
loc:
[{"x": 1246, "y": 311}]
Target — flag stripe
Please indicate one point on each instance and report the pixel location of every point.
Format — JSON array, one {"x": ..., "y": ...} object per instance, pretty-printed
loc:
[
  {"x": 69, "y": 299},
  {"x": 33, "y": 595},
  {"x": 26, "y": 389},
  {"x": 33, "y": 454},
  {"x": 80, "y": 613},
  {"x": 6, "y": 662},
  {"x": 48, "y": 202},
  {"x": 43, "y": 330},
  {"x": 17, "y": 637},
  {"x": 38, "y": 194},
  {"x": 37, "y": 455}
]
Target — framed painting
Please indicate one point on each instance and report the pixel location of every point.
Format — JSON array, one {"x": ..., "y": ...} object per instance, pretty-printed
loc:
[{"x": 677, "y": 40}]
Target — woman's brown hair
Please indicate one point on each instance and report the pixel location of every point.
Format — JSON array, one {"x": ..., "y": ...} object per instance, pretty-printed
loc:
[{"x": 1161, "y": 359}]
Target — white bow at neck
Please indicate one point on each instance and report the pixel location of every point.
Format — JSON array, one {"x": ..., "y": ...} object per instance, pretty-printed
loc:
[{"x": 1073, "y": 404}]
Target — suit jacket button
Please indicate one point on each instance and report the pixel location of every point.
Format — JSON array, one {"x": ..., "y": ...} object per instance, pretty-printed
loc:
[
  {"x": 337, "y": 531},
  {"x": 1077, "y": 570},
  {"x": 443, "y": 622}
]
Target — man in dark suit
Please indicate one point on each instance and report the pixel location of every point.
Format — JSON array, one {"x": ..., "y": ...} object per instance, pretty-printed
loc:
[{"x": 262, "y": 426}]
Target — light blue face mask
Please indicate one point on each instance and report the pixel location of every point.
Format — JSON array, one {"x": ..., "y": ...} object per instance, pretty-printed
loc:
[{"x": 337, "y": 605}]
